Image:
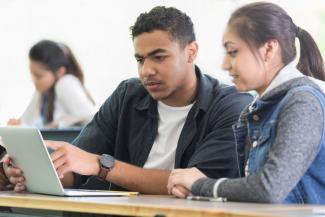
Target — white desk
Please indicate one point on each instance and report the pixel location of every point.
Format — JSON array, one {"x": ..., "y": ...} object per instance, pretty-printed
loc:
[{"x": 152, "y": 205}]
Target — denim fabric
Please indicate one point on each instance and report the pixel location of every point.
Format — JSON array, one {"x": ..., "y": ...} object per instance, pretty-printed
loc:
[{"x": 258, "y": 128}]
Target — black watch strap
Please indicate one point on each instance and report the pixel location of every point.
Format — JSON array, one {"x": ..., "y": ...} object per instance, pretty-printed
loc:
[{"x": 103, "y": 172}]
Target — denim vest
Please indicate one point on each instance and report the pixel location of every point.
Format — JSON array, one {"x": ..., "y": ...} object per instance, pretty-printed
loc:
[{"x": 260, "y": 131}]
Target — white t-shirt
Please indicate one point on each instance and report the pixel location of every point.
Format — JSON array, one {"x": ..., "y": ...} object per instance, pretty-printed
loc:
[
  {"x": 171, "y": 122},
  {"x": 71, "y": 105}
]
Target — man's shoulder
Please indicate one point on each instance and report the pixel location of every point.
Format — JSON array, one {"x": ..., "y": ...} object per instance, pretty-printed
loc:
[
  {"x": 221, "y": 89},
  {"x": 131, "y": 82},
  {"x": 218, "y": 97},
  {"x": 131, "y": 89},
  {"x": 223, "y": 100},
  {"x": 131, "y": 85},
  {"x": 230, "y": 90}
]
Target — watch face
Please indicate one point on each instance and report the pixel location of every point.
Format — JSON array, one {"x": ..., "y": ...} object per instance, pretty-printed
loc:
[{"x": 107, "y": 161}]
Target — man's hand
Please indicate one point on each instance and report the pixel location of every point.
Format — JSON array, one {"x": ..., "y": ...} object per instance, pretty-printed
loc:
[{"x": 68, "y": 158}]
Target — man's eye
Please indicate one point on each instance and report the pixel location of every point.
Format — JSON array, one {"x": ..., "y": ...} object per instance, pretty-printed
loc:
[
  {"x": 140, "y": 60},
  {"x": 159, "y": 58}
]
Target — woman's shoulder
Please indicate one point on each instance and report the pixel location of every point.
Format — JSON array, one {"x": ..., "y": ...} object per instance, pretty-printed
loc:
[
  {"x": 67, "y": 82},
  {"x": 68, "y": 86},
  {"x": 303, "y": 100},
  {"x": 68, "y": 79},
  {"x": 319, "y": 83},
  {"x": 309, "y": 88}
]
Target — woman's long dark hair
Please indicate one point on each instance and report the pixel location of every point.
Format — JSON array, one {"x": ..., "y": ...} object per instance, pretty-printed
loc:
[
  {"x": 257, "y": 23},
  {"x": 54, "y": 55}
]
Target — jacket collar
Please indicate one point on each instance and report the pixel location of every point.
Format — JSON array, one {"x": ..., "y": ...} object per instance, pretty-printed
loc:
[
  {"x": 203, "y": 97},
  {"x": 204, "y": 93}
]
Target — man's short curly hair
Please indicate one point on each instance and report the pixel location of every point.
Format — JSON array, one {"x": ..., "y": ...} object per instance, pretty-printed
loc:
[{"x": 169, "y": 19}]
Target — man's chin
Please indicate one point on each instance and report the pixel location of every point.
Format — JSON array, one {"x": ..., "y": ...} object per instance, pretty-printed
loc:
[{"x": 157, "y": 97}]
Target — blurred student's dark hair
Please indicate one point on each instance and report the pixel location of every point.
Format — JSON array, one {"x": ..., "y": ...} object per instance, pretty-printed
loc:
[{"x": 54, "y": 55}]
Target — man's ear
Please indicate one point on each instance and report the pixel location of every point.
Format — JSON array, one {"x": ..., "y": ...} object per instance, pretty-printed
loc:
[
  {"x": 192, "y": 49},
  {"x": 269, "y": 50},
  {"x": 61, "y": 72}
]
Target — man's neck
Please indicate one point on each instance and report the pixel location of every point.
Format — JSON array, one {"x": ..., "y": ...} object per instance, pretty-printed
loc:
[{"x": 188, "y": 92}]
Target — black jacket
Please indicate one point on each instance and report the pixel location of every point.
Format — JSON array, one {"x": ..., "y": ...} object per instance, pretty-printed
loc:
[{"x": 126, "y": 126}]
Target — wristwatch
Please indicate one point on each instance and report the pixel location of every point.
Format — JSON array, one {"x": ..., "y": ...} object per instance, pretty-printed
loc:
[{"x": 106, "y": 163}]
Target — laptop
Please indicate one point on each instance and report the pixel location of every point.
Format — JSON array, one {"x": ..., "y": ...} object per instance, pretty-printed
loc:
[{"x": 28, "y": 152}]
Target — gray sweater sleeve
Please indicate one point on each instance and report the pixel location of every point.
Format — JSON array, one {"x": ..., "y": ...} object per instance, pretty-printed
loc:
[
  {"x": 299, "y": 132},
  {"x": 203, "y": 187}
]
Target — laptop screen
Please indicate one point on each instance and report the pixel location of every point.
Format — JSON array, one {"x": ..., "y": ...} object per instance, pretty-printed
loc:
[{"x": 65, "y": 134}]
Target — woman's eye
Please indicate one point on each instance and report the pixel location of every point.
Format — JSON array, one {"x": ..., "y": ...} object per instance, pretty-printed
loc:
[
  {"x": 38, "y": 77},
  {"x": 232, "y": 52}
]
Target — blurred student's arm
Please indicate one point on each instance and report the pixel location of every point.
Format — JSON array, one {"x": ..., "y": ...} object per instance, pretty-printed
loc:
[{"x": 14, "y": 122}]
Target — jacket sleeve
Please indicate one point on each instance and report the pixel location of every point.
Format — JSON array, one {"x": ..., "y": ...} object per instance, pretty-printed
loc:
[
  {"x": 99, "y": 134},
  {"x": 215, "y": 154},
  {"x": 297, "y": 143}
]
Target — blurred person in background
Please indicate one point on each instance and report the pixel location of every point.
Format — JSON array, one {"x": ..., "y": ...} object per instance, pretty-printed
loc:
[{"x": 61, "y": 99}]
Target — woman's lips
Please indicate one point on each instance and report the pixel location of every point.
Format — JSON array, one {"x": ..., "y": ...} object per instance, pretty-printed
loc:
[{"x": 234, "y": 77}]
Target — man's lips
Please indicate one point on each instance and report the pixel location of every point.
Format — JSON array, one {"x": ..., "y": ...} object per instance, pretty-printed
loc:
[
  {"x": 148, "y": 83},
  {"x": 152, "y": 85}
]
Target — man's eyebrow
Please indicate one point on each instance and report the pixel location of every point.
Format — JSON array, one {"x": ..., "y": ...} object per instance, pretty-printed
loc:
[
  {"x": 138, "y": 56},
  {"x": 159, "y": 50},
  {"x": 152, "y": 53}
]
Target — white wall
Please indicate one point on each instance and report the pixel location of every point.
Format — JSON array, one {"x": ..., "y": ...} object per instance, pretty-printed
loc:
[{"x": 98, "y": 33}]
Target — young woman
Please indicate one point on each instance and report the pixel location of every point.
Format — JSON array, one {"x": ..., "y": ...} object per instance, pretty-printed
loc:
[
  {"x": 60, "y": 99},
  {"x": 280, "y": 136}
]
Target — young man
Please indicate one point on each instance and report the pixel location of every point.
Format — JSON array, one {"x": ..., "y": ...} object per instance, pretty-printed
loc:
[{"x": 173, "y": 116}]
